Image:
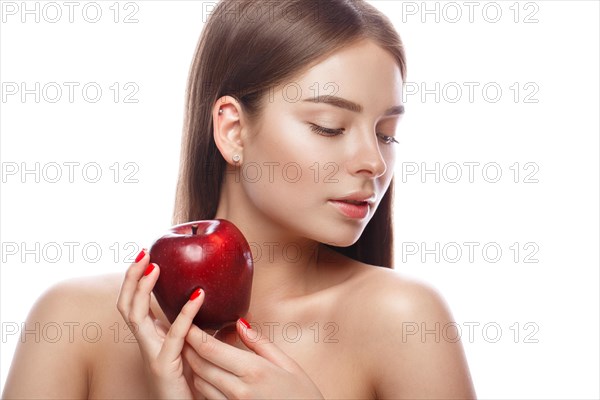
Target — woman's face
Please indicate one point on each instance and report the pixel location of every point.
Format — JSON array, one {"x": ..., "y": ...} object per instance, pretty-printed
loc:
[{"x": 292, "y": 172}]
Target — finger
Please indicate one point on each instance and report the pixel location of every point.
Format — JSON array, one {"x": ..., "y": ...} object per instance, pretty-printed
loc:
[
  {"x": 188, "y": 374},
  {"x": 199, "y": 365},
  {"x": 140, "y": 308},
  {"x": 208, "y": 390},
  {"x": 140, "y": 303},
  {"x": 162, "y": 325},
  {"x": 151, "y": 313},
  {"x": 229, "y": 335},
  {"x": 161, "y": 328},
  {"x": 262, "y": 346},
  {"x": 175, "y": 338},
  {"x": 210, "y": 374},
  {"x": 130, "y": 282},
  {"x": 221, "y": 354}
]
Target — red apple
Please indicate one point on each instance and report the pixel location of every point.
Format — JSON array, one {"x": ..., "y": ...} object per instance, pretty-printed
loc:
[{"x": 213, "y": 255}]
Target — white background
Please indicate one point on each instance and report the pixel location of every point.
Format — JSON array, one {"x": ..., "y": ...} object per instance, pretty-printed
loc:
[{"x": 541, "y": 318}]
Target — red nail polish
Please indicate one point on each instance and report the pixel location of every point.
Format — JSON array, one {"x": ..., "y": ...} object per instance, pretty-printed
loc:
[
  {"x": 140, "y": 256},
  {"x": 246, "y": 324},
  {"x": 149, "y": 269},
  {"x": 195, "y": 294}
]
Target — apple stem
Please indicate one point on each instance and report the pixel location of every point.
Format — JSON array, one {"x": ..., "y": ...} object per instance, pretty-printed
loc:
[{"x": 194, "y": 229}]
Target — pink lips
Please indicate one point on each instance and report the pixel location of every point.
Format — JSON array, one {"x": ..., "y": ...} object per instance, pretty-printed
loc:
[{"x": 350, "y": 210}]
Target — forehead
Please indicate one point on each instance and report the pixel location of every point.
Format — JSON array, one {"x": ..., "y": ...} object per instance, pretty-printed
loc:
[{"x": 363, "y": 73}]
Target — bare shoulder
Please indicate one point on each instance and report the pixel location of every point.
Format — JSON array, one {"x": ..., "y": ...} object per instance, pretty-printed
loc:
[
  {"x": 90, "y": 299},
  {"x": 386, "y": 298},
  {"x": 74, "y": 293},
  {"x": 384, "y": 289},
  {"x": 65, "y": 330},
  {"x": 391, "y": 291},
  {"x": 412, "y": 349}
]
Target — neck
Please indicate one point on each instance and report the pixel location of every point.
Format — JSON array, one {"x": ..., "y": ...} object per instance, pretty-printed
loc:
[{"x": 285, "y": 264}]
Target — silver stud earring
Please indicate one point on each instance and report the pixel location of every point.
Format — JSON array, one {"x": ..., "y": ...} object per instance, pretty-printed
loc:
[
  {"x": 220, "y": 111},
  {"x": 236, "y": 158}
]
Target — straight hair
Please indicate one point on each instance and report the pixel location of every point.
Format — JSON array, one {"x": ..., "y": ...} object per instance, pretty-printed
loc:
[{"x": 250, "y": 46}]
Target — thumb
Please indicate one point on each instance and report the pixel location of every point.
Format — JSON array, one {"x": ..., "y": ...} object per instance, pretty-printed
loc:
[{"x": 261, "y": 345}]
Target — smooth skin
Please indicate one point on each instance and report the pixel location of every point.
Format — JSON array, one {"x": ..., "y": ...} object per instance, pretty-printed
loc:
[{"x": 323, "y": 325}]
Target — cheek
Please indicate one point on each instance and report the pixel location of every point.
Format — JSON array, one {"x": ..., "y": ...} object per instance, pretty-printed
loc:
[
  {"x": 283, "y": 163},
  {"x": 291, "y": 191},
  {"x": 289, "y": 173}
]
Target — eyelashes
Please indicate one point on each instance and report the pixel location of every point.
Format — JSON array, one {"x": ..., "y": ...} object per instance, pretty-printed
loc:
[
  {"x": 335, "y": 132},
  {"x": 326, "y": 131},
  {"x": 388, "y": 139}
]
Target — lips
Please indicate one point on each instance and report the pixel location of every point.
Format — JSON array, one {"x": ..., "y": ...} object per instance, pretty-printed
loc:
[
  {"x": 355, "y": 205},
  {"x": 358, "y": 198},
  {"x": 355, "y": 202},
  {"x": 352, "y": 208}
]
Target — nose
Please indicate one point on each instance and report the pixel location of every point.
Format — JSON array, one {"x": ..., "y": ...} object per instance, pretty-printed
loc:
[{"x": 366, "y": 159}]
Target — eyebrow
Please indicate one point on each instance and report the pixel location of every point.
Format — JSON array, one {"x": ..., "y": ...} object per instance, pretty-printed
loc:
[{"x": 349, "y": 105}]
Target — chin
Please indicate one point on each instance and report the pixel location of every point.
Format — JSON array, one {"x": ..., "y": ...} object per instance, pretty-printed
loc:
[
  {"x": 341, "y": 240},
  {"x": 339, "y": 233}
]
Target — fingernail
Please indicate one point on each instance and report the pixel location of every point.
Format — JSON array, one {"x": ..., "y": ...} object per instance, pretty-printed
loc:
[
  {"x": 195, "y": 294},
  {"x": 246, "y": 324},
  {"x": 149, "y": 269},
  {"x": 140, "y": 256}
]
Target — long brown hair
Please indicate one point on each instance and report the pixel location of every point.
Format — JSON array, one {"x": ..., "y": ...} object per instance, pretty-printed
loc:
[{"x": 249, "y": 46}]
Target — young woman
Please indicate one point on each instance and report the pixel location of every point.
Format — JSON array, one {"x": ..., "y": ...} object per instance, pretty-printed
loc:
[{"x": 292, "y": 112}]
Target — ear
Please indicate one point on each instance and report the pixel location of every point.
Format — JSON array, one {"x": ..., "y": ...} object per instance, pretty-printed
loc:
[{"x": 227, "y": 128}]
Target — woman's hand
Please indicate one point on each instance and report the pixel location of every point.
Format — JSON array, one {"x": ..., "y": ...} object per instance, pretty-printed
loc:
[
  {"x": 160, "y": 348},
  {"x": 222, "y": 371}
]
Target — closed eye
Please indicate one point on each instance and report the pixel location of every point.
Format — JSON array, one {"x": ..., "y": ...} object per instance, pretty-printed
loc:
[
  {"x": 326, "y": 131},
  {"x": 388, "y": 139},
  {"x": 335, "y": 132}
]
